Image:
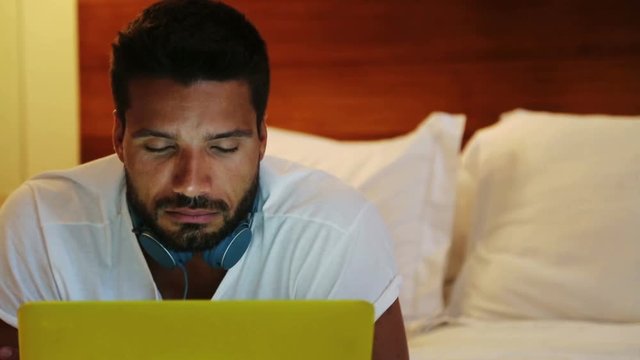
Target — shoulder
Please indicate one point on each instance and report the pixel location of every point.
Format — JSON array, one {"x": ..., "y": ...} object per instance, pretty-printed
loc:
[
  {"x": 87, "y": 193},
  {"x": 325, "y": 234},
  {"x": 294, "y": 191}
]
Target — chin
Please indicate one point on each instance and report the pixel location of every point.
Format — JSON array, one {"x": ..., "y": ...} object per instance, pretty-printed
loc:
[{"x": 194, "y": 238}]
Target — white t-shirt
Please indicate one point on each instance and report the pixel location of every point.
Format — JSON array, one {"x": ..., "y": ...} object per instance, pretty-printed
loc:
[{"x": 66, "y": 235}]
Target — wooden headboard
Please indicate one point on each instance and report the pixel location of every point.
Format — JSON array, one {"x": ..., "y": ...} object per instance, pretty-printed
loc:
[{"x": 366, "y": 69}]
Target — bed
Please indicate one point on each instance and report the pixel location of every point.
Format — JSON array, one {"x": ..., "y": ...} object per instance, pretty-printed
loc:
[
  {"x": 498, "y": 140},
  {"x": 524, "y": 246}
]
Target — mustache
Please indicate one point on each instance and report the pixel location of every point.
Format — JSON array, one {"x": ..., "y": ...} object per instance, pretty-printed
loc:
[{"x": 195, "y": 202}]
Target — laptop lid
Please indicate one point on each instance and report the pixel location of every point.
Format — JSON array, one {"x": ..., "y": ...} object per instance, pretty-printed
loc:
[{"x": 196, "y": 330}]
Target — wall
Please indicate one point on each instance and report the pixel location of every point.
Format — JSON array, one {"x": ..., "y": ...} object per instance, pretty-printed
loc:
[
  {"x": 363, "y": 69},
  {"x": 10, "y": 146},
  {"x": 39, "y": 92}
]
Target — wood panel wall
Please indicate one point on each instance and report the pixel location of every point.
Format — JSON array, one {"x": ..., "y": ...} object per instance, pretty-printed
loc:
[{"x": 365, "y": 69}]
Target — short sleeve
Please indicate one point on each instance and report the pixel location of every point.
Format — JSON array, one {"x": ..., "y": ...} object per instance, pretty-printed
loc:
[
  {"x": 369, "y": 270},
  {"x": 25, "y": 273},
  {"x": 353, "y": 263}
]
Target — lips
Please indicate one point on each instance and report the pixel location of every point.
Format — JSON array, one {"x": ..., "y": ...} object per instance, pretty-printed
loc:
[{"x": 192, "y": 216}]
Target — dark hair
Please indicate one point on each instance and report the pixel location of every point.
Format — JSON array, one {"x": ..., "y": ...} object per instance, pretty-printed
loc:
[{"x": 187, "y": 41}]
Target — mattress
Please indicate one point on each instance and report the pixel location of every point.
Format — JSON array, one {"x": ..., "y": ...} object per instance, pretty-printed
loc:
[{"x": 524, "y": 340}]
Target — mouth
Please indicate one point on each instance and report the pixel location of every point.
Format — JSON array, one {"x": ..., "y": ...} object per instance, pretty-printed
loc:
[{"x": 192, "y": 216}]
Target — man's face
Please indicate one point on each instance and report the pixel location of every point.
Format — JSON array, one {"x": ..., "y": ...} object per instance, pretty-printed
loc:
[{"x": 191, "y": 155}]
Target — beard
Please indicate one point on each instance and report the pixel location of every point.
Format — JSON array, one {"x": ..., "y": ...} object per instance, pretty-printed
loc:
[{"x": 191, "y": 237}]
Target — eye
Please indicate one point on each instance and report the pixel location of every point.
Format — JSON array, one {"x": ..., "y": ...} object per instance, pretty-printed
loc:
[
  {"x": 224, "y": 146},
  {"x": 225, "y": 150},
  {"x": 158, "y": 149}
]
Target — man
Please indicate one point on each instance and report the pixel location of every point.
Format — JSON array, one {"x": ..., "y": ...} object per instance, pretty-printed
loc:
[{"x": 190, "y": 82}]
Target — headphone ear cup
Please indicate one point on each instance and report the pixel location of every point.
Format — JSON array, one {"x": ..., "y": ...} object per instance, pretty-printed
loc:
[
  {"x": 230, "y": 250},
  {"x": 163, "y": 256}
]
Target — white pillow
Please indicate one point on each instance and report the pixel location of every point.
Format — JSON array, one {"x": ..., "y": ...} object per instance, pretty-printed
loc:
[
  {"x": 553, "y": 202},
  {"x": 411, "y": 179}
]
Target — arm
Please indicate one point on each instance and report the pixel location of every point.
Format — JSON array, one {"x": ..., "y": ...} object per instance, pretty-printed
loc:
[
  {"x": 390, "y": 341},
  {"x": 8, "y": 342},
  {"x": 24, "y": 267}
]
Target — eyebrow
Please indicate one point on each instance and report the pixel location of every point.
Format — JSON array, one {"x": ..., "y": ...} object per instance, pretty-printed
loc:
[
  {"x": 171, "y": 136},
  {"x": 229, "y": 134},
  {"x": 152, "y": 133}
]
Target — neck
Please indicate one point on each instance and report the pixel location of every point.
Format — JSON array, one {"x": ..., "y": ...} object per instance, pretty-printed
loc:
[{"x": 203, "y": 279}]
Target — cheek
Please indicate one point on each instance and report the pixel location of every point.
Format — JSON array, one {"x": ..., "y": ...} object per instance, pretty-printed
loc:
[
  {"x": 238, "y": 177},
  {"x": 150, "y": 182},
  {"x": 230, "y": 178},
  {"x": 222, "y": 178}
]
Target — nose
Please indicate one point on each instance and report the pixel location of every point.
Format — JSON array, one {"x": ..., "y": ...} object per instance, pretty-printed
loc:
[{"x": 192, "y": 176}]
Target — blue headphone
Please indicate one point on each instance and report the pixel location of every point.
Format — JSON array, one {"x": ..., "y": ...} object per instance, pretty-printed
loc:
[{"x": 224, "y": 255}]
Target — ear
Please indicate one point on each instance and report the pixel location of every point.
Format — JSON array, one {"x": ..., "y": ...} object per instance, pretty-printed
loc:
[
  {"x": 263, "y": 136},
  {"x": 118, "y": 135}
]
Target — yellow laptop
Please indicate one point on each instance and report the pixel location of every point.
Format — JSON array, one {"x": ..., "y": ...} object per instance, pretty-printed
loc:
[{"x": 196, "y": 330}]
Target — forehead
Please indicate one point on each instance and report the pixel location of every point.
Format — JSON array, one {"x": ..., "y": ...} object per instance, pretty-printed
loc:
[{"x": 153, "y": 98}]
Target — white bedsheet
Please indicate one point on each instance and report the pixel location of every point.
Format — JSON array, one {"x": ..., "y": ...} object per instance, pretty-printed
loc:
[{"x": 526, "y": 340}]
